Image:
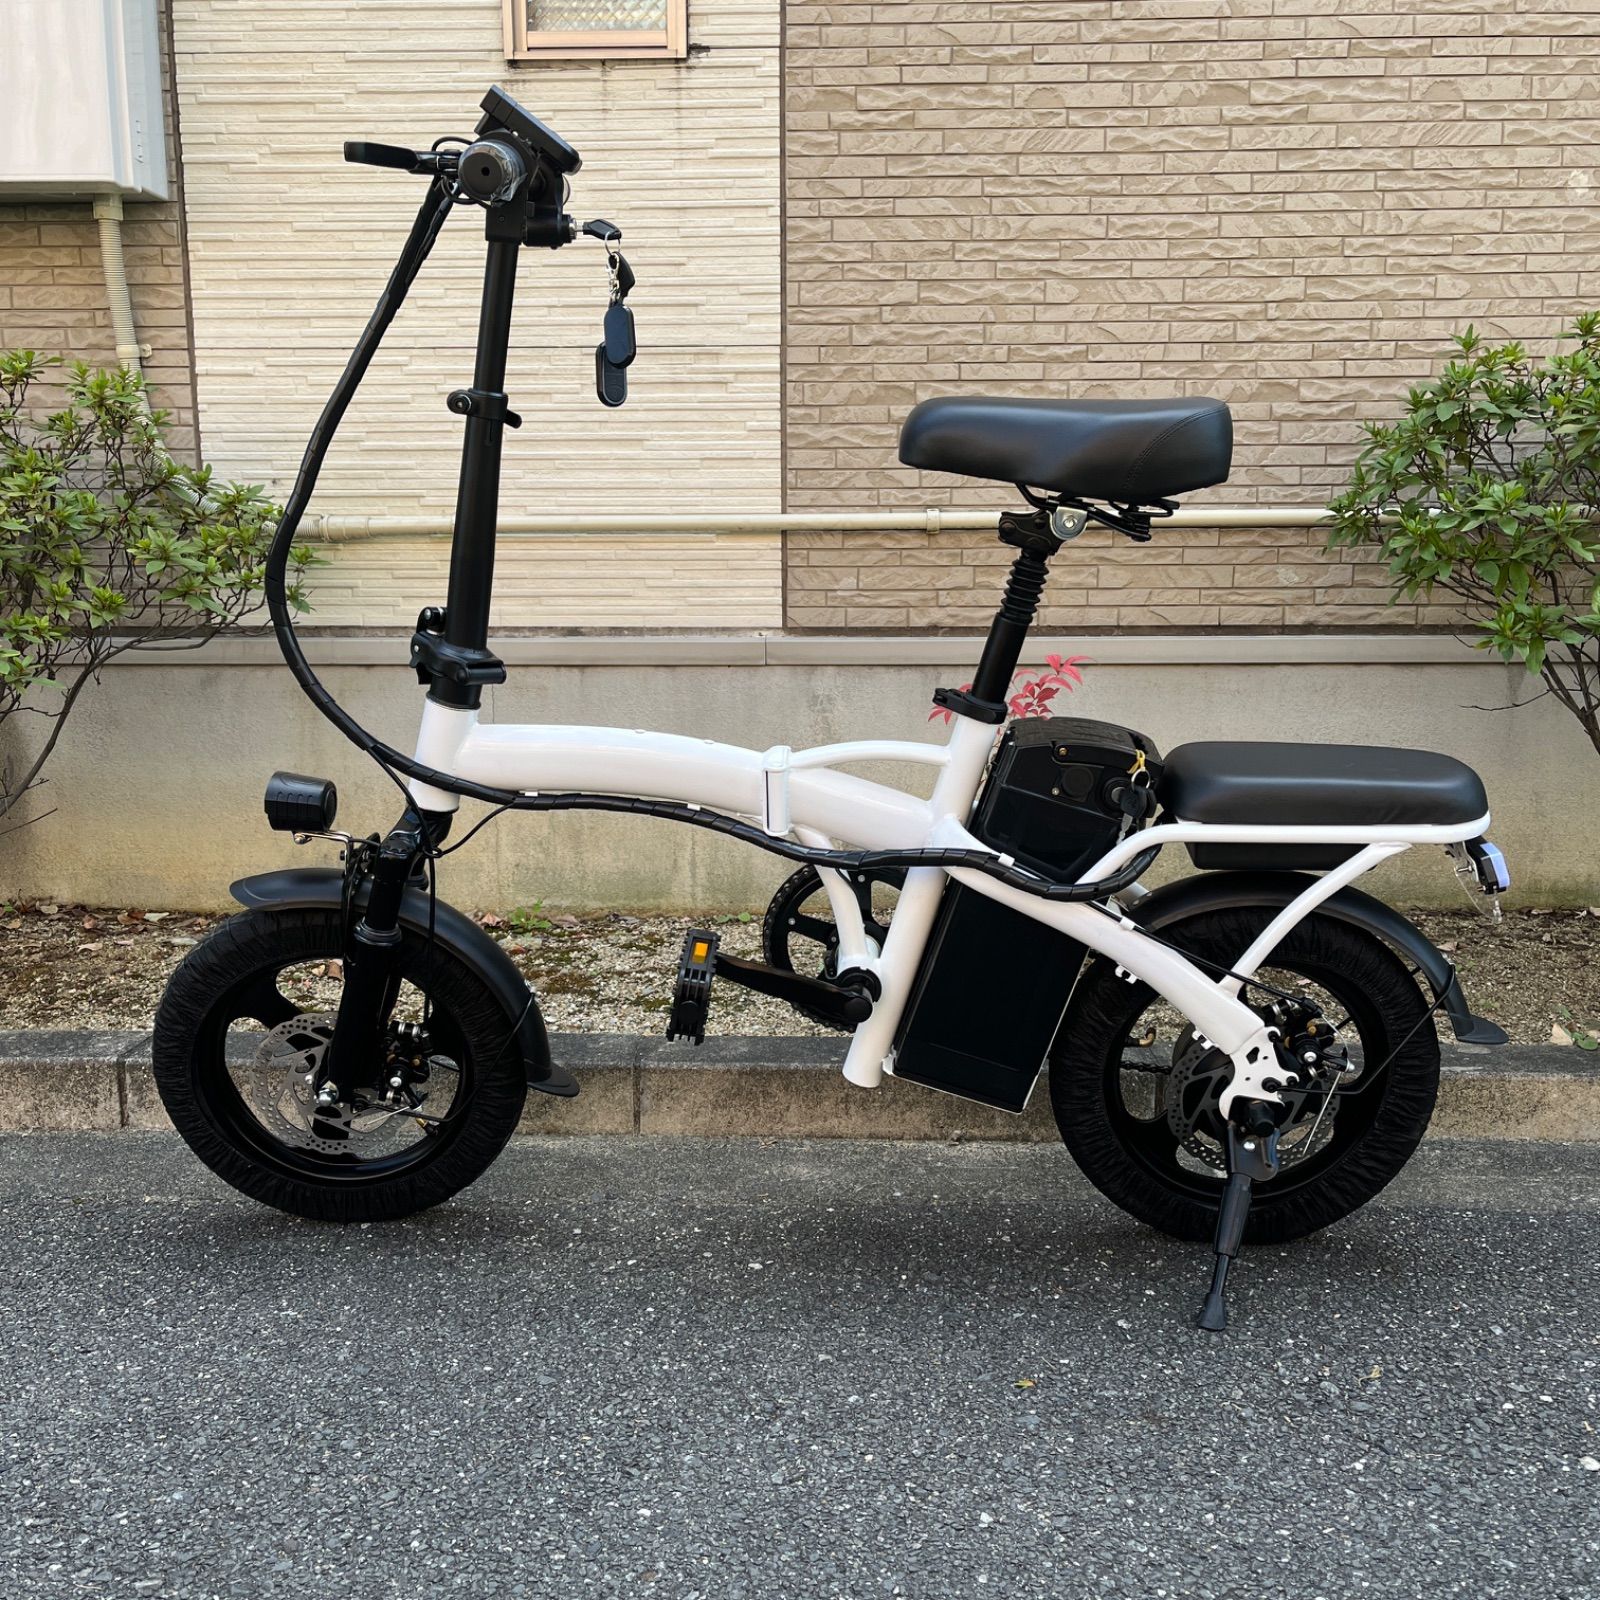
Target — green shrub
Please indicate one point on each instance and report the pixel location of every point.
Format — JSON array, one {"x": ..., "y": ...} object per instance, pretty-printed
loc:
[
  {"x": 107, "y": 544},
  {"x": 1487, "y": 489}
]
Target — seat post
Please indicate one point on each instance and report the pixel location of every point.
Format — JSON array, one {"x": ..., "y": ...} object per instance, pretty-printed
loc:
[{"x": 1035, "y": 542}]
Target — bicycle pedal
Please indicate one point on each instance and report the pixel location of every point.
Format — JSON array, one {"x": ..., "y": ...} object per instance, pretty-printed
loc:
[{"x": 691, "y": 994}]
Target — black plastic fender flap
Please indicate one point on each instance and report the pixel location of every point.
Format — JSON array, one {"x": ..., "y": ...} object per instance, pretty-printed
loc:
[
  {"x": 1225, "y": 891},
  {"x": 296, "y": 887}
]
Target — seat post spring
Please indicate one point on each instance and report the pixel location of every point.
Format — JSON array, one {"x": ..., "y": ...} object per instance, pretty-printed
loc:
[
  {"x": 1024, "y": 588},
  {"x": 1018, "y": 605}
]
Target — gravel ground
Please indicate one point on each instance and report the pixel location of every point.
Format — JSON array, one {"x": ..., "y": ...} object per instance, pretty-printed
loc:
[
  {"x": 65, "y": 966},
  {"x": 721, "y": 1370}
]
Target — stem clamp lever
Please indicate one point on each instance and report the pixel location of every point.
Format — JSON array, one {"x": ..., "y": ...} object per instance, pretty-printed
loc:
[{"x": 488, "y": 403}]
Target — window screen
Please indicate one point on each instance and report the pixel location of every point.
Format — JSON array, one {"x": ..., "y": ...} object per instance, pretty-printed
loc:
[{"x": 606, "y": 28}]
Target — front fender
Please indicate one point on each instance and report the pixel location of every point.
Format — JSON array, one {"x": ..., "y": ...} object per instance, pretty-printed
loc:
[
  {"x": 1229, "y": 891},
  {"x": 297, "y": 887}
]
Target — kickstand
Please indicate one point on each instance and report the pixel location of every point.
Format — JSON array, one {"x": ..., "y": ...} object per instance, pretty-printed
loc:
[{"x": 1251, "y": 1156}]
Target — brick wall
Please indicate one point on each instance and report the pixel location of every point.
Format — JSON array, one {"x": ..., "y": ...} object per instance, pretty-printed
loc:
[
  {"x": 1282, "y": 203},
  {"x": 53, "y": 291},
  {"x": 1254, "y": 198}
]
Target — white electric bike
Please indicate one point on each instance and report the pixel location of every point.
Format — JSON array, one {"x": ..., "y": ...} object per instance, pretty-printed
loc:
[{"x": 1260, "y": 1032}]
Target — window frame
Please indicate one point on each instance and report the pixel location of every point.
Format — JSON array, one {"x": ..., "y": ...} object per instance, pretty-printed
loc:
[{"x": 605, "y": 44}]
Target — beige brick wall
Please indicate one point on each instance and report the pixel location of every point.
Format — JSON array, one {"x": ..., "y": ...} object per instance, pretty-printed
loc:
[
  {"x": 1284, "y": 203},
  {"x": 53, "y": 291},
  {"x": 290, "y": 248},
  {"x": 1183, "y": 580}
]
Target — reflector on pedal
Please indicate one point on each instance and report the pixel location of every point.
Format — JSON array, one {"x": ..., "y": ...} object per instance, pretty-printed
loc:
[{"x": 691, "y": 994}]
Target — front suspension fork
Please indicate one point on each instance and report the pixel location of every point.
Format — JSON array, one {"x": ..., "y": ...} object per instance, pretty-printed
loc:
[{"x": 355, "y": 1058}]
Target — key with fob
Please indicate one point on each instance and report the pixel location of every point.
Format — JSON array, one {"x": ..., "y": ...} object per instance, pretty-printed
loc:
[
  {"x": 620, "y": 346},
  {"x": 610, "y": 381}
]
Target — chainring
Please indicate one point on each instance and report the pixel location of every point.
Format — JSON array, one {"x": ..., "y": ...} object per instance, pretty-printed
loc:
[{"x": 792, "y": 939}]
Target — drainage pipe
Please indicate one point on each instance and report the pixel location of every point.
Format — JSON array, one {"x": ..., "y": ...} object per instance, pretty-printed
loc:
[
  {"x": 342, "y": 529},
  {"x": 130, "y": 353}
]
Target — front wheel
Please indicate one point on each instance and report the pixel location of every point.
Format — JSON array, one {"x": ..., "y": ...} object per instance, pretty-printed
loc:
[
  {"x": 1135, "y": 1099},
  {"x": 240, "y": 1035}
]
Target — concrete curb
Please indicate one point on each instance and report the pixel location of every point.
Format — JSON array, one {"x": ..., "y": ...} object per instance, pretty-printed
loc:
[{"x": 75, "y": 1080}]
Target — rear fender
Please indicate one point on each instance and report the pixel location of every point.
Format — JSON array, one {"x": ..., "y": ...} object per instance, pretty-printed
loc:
[
  {"x": 293, "y": 888},
  {"x": 1230, "y": 891}
]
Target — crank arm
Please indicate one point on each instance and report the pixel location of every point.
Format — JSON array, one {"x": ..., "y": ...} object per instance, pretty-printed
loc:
[{"x": 849, "y": 1003}]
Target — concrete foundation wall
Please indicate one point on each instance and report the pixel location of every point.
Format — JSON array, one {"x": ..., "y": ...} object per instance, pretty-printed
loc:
[{"x": 157, "y": 783}]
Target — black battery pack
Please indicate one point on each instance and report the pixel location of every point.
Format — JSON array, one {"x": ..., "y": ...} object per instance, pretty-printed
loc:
[{"x": 994, "y": 983}]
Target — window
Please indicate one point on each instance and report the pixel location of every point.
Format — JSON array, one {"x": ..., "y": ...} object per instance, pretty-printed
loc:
[{"x": 616, "y": 29}]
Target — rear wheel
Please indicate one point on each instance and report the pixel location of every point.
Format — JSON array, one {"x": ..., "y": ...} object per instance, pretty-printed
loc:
[
  {"x": 1135, "y": 1094},
  {"x": 242, "y": 1029}
]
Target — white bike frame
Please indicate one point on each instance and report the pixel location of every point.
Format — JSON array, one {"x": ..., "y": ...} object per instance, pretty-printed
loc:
[
  {"x": 787, "y": 794},
  {"x": 799, "y": 795}
]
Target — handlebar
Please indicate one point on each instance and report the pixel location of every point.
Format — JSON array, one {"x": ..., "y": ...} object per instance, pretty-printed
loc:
[
  {"x": 396, "y": 156},
  {"x": 489, "y": 171}
]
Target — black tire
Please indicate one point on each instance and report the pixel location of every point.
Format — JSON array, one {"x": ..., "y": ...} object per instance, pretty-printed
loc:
[
  {"x": 232, "y": 975},
  {"x": 1389, "y": 1108}
]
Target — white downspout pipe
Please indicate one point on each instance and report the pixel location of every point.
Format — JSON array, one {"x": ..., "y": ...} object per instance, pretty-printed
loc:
[{"x": 130, "y": 353}]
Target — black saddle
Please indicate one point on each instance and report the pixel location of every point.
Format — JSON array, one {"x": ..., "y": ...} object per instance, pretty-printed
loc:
[
  {"x": 1131, "y": 452},
  {"x": 1329, "y": 785}
]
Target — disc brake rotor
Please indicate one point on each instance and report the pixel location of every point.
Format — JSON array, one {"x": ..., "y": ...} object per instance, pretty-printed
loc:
[
  {"x": 280, "y": 1091},
  {"x": 1190, "y": 1097}
]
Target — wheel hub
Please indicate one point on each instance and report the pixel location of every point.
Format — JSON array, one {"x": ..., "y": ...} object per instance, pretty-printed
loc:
[{"x": 1314, "y": 1061}]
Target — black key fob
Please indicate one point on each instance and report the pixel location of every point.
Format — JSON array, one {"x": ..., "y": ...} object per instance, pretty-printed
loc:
[
  {"x": 620, "y": 347},
  {"x": 610, "y": 381}
]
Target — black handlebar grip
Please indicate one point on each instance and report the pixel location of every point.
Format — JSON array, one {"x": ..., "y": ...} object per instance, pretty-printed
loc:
[{"x": 382, "y": 155}]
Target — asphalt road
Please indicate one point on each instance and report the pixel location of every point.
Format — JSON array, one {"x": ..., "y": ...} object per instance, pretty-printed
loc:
[{"x": 756, "y": 1368}]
